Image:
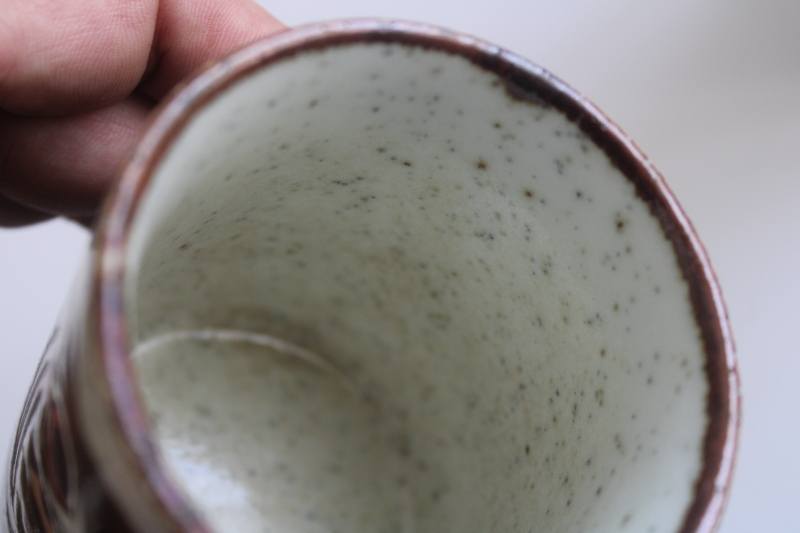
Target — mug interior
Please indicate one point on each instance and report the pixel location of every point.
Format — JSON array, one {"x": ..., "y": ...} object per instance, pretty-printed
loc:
[{"x": 370, "y": 288}]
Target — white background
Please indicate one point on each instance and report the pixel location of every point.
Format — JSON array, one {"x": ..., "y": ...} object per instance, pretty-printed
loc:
[{"x": 711, "y": 92}]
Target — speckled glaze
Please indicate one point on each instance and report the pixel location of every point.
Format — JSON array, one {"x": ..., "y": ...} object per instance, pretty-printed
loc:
[{"x": 378, "y": 276}]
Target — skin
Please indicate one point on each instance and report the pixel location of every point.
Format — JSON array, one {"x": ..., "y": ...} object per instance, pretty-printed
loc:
[{"x": 78, "y": 79}]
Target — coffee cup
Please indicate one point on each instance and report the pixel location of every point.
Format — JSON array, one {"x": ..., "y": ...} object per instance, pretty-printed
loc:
[{"x": 381, "y": 276}]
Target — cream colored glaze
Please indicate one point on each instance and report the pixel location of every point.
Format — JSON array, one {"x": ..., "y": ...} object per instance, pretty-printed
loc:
[
  {"x": 283, "y": 443},
  {"x": 502, "y": 340}
]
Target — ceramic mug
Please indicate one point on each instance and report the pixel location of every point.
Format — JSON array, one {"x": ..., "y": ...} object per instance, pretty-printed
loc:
[{"x": 380, "y": 276}]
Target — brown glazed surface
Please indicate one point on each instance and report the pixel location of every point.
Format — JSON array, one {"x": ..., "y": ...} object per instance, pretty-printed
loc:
[
  {"x": 53, "y": 483},
  {"x": 83, "y": 458}
]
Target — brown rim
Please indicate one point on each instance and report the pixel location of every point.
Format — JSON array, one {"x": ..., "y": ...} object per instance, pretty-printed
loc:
[{"x": 524, "y": 81}]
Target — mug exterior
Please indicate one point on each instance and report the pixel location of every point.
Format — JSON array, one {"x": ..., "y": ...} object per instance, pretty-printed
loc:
[{"x": 84, "y": 458}]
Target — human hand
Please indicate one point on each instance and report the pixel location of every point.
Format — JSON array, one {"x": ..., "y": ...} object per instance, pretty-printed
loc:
[{"x": 77, "y": 80}]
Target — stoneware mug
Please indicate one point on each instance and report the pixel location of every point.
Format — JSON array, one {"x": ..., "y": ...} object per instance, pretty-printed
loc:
[{"x": 380, "y": 276}]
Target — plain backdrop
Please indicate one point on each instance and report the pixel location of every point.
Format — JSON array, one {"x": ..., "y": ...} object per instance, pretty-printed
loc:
[{"x": 709, "y": 89}]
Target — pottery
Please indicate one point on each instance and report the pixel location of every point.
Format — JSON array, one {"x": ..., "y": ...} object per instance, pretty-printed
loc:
[{"x": 380, "y": 276}]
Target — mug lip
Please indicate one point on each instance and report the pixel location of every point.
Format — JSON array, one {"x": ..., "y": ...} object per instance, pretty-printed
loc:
[{"x": 524, "y": 81}]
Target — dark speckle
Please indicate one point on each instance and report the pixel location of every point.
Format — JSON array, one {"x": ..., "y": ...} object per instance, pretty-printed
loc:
[
  {"x": 313, "y": 103},
  {"x": 618, "y": 444},
  {"x": 407, "y": 163},
  {"x": 620, "y": 223},
  {"x": 529, "y": 193},
  {"x": 480, "y": 164}
]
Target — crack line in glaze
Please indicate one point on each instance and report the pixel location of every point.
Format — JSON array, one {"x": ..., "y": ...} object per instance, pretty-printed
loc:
[{"x": 279, "y": 346}]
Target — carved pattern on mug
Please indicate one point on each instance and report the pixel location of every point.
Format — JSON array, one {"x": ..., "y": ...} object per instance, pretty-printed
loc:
[
  {"x": 43, "y": 462},
  {"x": 52, "y": 485}
]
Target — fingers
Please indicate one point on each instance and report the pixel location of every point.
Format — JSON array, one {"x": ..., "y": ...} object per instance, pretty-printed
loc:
[
  {"x": 87, "y": 63},
  {"x": 72, "y": 55},
  {"x": 65, "y": 165},
  {"x": 190, "y": 33},
  {"x": 69, "y": 56}
]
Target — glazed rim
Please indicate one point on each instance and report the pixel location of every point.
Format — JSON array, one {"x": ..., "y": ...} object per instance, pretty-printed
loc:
[{"x": 524, "y": 81}]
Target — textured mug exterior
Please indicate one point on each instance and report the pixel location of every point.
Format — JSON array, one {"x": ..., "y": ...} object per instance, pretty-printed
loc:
[
  {"x": 83, "y": 458},
  {"x": 53, "y": 483}
]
